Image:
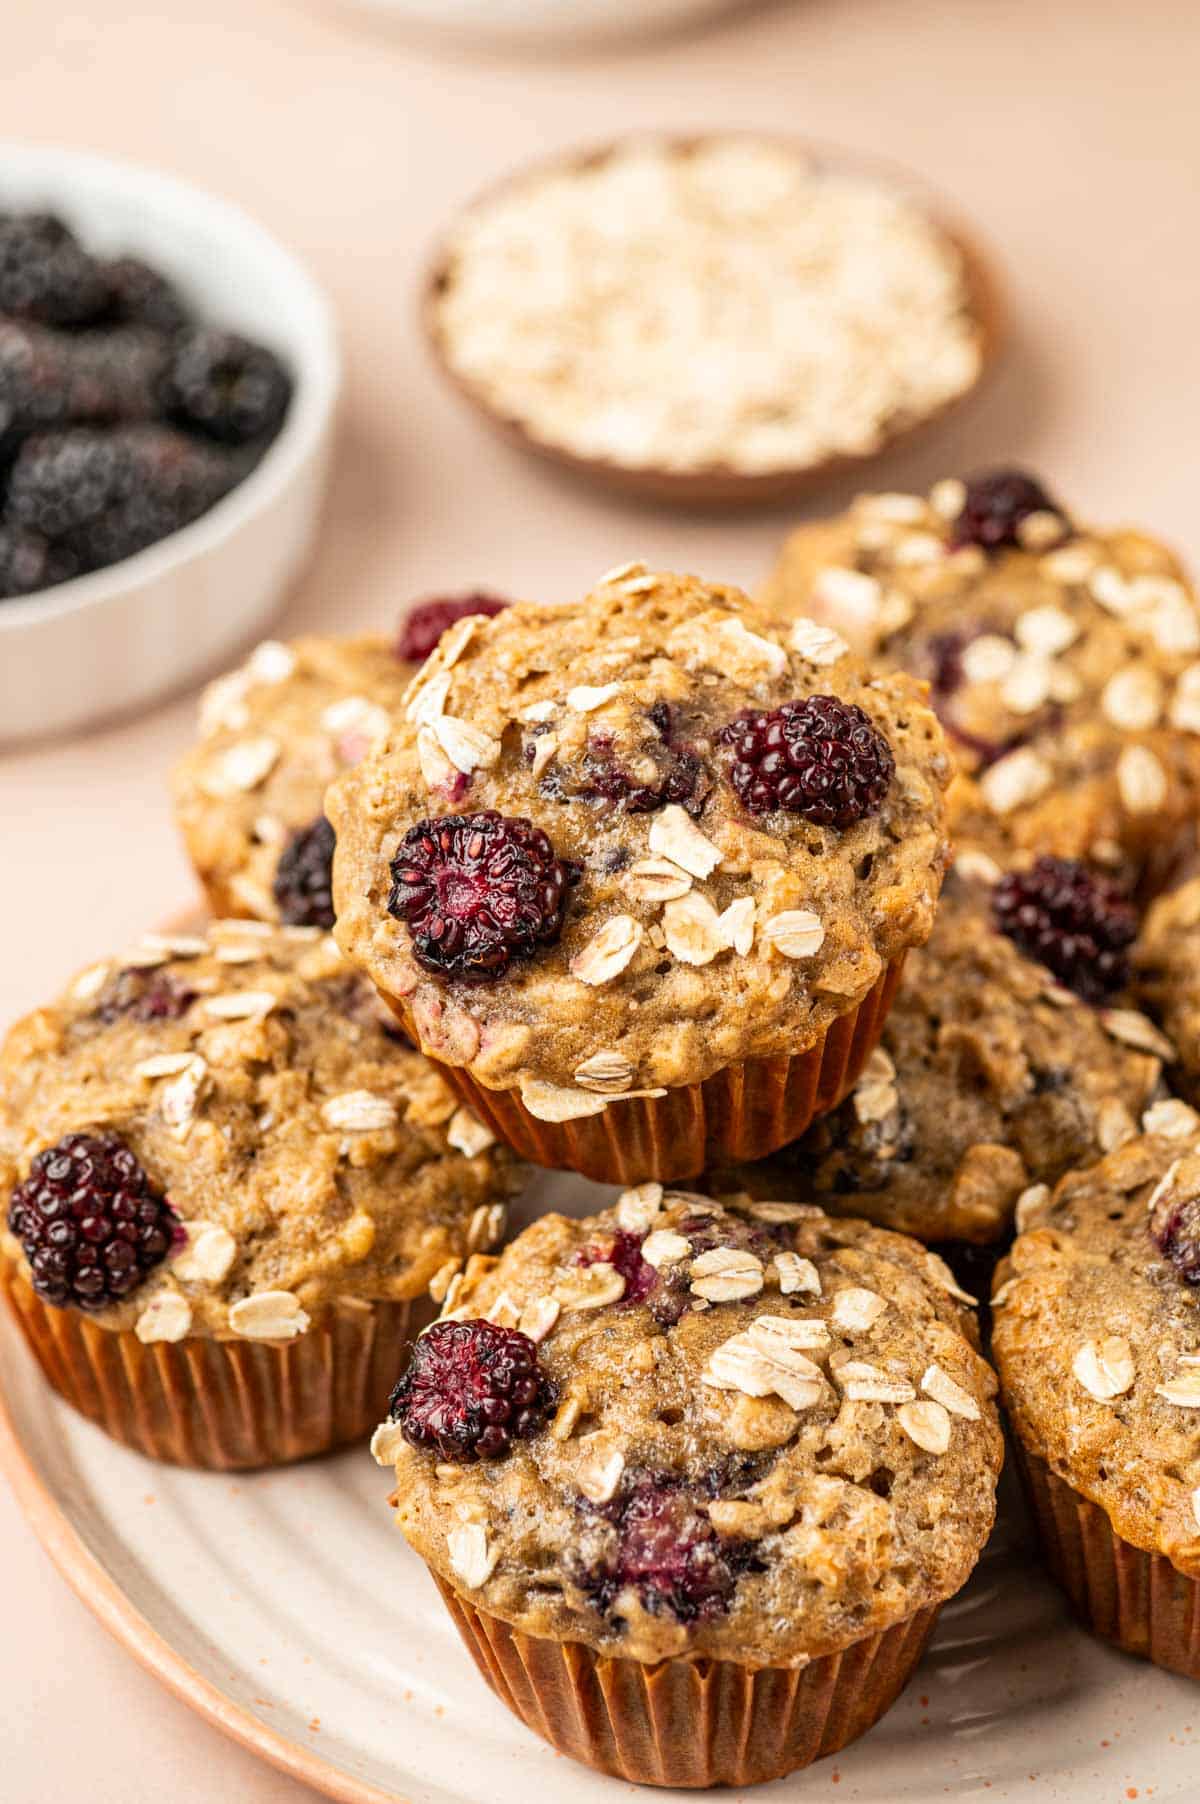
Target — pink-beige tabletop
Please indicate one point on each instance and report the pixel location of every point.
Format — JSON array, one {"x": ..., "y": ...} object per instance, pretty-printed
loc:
[{"x": 1067, "y": 133}]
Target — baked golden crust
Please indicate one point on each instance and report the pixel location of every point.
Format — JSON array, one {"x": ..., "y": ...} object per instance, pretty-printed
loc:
[
  {"x": 1096, "y": 1338},
  {"x": 273, "y": 735},
  {"x": 1167, "y": 974},
  {"x": 276, "y": 1108},
  {"x": 531, "y": 701},
  {"x": 841, "y": 1511},
  {"x": 990, "y": 1079},
  {"x": 1067, "y": 673}
]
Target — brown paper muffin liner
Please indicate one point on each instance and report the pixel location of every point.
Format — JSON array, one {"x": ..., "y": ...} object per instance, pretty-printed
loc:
[
  {"x": 740, "y": 1113},
  {"x": 225, "y": 1404},
  {"x": 690, "y": 1723},
  {"x": 1136, "y": 1599}
]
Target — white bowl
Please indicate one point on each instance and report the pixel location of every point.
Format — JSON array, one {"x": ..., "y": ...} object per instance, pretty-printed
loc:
[
  {"x": 116, "y": 639},
  {"x": 551, "y": 23}
]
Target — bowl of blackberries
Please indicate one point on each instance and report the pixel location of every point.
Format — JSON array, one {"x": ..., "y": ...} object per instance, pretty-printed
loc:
[{"x": 168, "y": 378}]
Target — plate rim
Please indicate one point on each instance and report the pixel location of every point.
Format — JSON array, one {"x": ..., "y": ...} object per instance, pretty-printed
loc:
[{"x": 100, "y": 1593}]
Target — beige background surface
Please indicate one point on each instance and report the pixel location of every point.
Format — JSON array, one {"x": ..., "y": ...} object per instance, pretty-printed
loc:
[{"x": 1067, "y": 130}]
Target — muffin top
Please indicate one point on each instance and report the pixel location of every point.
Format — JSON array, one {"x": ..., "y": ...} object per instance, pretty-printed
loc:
[
  {"x": 1167, "y": 966},
  {"x": 1064, "y": 660},
  {"x": 273, "y": 735},
  {"x": 753, "y": 1436},
  {"x": 992, "y": 1079},
  {"x": 238, "y": 1097},
  {"x": 622, "y": 844},
  {"x": 1097, "y": 1335}
]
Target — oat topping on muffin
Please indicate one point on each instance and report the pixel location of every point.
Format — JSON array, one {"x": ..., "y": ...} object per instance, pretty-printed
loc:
[
  {"x": 1097, "y": 1335},
  {"x": 1064, "y": 660},
  {"x": 992, "y": 1079},
  {"x": 616, "y": 846},
  {"x": 799, "y": 1451},
  {"x": 222, "y": 1134}
]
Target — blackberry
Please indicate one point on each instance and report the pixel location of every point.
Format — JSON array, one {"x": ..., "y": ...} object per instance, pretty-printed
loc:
[
  {"x": 303, "y": 886},
  {"x": 682, "y": 779},
  {"x": 1174, "y": 1224},
  {"x": 104, "y": 495},
  {"x": 138, "y": 295},
  {"x": 137, "y": 995},
  {"x": 91, "y": 1224},
  {"x": 226, "y": 386},
  {"x": 478, "y": 891},
  {"x": 45, "y": 273},
  {"x": 471, "y": 1390},
  {"x": 50, "y": 378},
  {"x": 1073, "y": 920},
  {"x": 625, "y": 1256},
  {"x": 821, "y": 758},
  {"x": 996, "y": 503},
  {"x": 28, "y": 563},
  {"x": 424, "y": 625},
  {"x": 664, "y": 1547}
]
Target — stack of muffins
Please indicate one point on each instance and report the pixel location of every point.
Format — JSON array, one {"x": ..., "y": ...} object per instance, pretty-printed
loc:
[{"x": 627, "y": 889}]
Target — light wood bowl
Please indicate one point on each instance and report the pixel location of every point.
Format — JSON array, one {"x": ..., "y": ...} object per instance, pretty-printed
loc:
[{"x": 719, "y": 486}]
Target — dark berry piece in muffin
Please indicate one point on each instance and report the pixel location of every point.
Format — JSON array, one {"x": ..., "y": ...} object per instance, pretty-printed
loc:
[
  {"x": 139, "y": 295},
  {"x": 821, "y": 758},
  {"x": 625, "y": 1256},
  {"x": 1072, "y": 919},
  {"x": 996, "y": 503},
  {"x": 139, "y": 995},
  {"x": 424, "y": 625},
  {"x": 666, "y": 1550},
  {"x": 92, "y": 1225},
  {"x": 106, "y": 494},
  {"x": 303, "y": 886},
  {"x": 478, "y": 891},
  {"x": 472, "y": 1389},
  {"x": 45, "y": 273},
  {"x": 226, "y": 386},
  {"x": 1174, "y": 1223}
]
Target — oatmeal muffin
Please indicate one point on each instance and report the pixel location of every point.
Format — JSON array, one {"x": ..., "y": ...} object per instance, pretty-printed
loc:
[
  {"x": 1168, "y": 977},
  {"x": 228, "y": 1188},
  {"x": 1097, "y": 1341},
  {"x": 997, "y": 1072},
  {"x": 273, "y": 736},
  {"x": 694, "y": 1484},
  {"x": 1064, "y": 660},
  {"x": 641, "y": 872}
]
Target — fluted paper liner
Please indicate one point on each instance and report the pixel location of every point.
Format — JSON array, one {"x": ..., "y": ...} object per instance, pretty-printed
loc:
[
  {"x": 690, "y": 1723},
  {"x": 740, "y": 1113},
  {"x": 1136, "y": 1599},
  {"x": 230, "y": 1405}
]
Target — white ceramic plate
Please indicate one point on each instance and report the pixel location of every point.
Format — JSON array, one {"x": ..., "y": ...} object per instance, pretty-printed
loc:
[
  {"x": 286, "y": 1608},
  {"x": 544, "y": 23}
]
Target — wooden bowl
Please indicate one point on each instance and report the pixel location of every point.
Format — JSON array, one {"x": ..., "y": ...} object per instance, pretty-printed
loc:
[{"x": 720, "y": 486}]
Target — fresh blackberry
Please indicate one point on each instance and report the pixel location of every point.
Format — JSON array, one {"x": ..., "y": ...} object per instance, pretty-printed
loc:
[
  {"x": 45, "y": 273},
  {"x": 50, "y": 378},
  {"x": 303, "y": 886},
  {"x": 478, "y": 891},
  {"x": 424, "y": 625},
  {"x": 821, "y": 758},
  {"x": 28, "y": 563},
  {"x": 138, "y": 295},
  {"x": 625, "y": 1256},
  {"x": 106, "y": 494},
  {"x": 139, "y": 995},
  {"x": 92, "y": 1225},
  {"x": 996, "y": 503},
  {"x": 471, "y": 1390},
  {"x": 226, "y": 386},
  {"x": 1174, "y": 1224},
  {"x": 663, "y": 1546},
  {"x": 1073, "y": 920}
]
